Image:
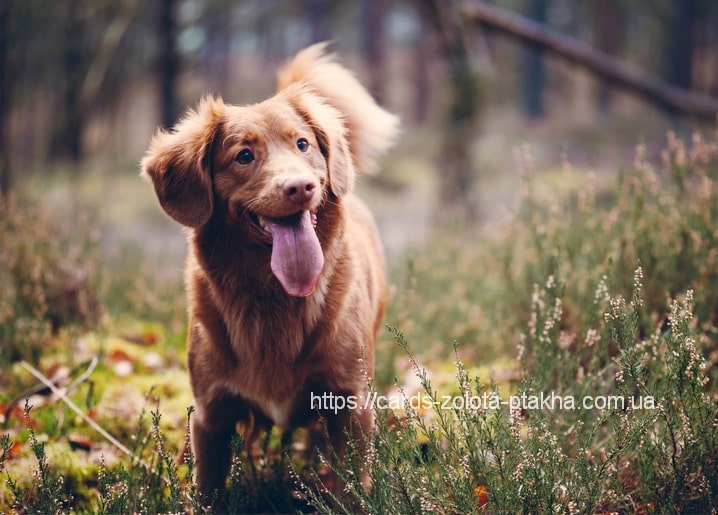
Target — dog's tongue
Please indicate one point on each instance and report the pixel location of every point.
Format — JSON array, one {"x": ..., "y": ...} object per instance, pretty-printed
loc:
[{"x": 297, "y": 258}]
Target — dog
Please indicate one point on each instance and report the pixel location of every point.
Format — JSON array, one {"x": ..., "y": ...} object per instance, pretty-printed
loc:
[{"x": 285, "y": 275}]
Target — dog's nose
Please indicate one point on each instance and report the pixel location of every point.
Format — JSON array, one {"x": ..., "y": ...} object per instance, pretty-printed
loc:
[{"x": 299, "y": 190}]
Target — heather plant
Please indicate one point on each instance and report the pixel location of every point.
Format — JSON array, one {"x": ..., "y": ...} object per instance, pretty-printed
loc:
[
  {"x": 48, "y": 493},
  {"x": 637, "y": 433},
  {"x": 662, "y": 216},
  {"x": 154, "y": 480},
  {"x": 48, "y": 273}
]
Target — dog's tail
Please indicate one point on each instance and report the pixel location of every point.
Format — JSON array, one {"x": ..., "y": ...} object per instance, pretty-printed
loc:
[{"x": 371, "y": 130}]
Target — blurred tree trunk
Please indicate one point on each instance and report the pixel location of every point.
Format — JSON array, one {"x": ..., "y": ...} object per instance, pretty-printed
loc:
[
  {"x": 216, "y": 63},
  {"x": 373, "y": 14},
  {"x": 85, "y": 64},
  {"x": 420, "y": 75},
  {"x": 5, "y": 92},
  {"x": 534, "y": 75},
  {"x": 464, "y": 103},
  {"x": 67, "y": 136},
  {"x": 681, "y": 43},
  {"x": 609, "y": 28},
  {"x": 169, "y": 63},
  {"x": 319, "y": 15}
]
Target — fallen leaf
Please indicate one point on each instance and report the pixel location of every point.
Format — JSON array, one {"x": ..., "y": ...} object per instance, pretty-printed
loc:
[
  {"x": 116, "y": 355},
  {"x": 7, "y": 412},
  {"x": 482, "y": 496},
  {"x": 145, "y": 338}
]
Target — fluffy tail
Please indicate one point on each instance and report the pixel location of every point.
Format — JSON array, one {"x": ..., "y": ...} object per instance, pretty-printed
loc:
[{"x": 371, "y": 130}]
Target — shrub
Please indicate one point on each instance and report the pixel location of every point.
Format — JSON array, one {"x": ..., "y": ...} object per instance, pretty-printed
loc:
[
  {"x": 48, "y": 272},
  {"x": 476, "y": 285},
  {"x": 634, "y": 434}
]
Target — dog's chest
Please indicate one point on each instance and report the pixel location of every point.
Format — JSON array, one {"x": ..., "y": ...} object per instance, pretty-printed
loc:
[
  {"x": 279, "y": 413},
  {"x": 269, "y": 371},
  {"x": 274, "y": 396}
]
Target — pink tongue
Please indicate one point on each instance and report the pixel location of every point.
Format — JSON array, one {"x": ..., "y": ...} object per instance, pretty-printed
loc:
[{"x": 297, "y": 258}]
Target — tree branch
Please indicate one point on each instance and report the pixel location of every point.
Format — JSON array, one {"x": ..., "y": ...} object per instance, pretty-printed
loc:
[
  {"x": 106, "y": 49},
  {"x": 610, "y": 68}
]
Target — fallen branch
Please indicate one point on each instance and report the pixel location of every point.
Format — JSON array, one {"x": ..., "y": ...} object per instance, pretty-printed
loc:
[
  {"x": 605, "y": 66},
  {"x": 97, "y": 427},
  {"x": 62, "y": 395},
  {"x": 60, "y": 380}
]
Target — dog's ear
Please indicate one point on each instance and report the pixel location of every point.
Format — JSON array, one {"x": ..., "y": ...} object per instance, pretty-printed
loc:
[
  {"x": 179, "y": 164},
  {"x": 335, "y": 149},
  {"x": 329, "y": 129}
]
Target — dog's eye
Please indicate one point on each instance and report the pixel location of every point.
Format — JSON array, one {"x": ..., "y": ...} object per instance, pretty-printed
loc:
[
  {"x": 302, "y": 145},
  {"x": 244, "y": 157}
]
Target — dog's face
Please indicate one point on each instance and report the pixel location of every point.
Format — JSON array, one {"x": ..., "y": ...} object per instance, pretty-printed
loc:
[
  {"x": 265, "y": 168},
  {"x": 268, "y": 163}
]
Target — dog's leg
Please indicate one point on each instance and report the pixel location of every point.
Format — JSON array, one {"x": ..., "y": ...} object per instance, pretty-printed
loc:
[
  {"x": 211, "y": 447},
  {"x": 361, "y": 425},
  {"x": 358, "y": 423}
]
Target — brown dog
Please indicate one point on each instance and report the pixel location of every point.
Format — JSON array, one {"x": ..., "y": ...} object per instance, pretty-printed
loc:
[{"x": 285, "y": 274}]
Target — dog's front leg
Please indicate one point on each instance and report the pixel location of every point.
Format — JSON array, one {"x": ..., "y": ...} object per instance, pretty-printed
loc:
[
  {"x": 358, "y": 424},
  {"x": 211, "y": 447}
]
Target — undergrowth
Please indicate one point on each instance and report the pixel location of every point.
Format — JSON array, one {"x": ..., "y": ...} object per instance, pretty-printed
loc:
[
  {"x": 636, "y": 434},
  {"x": 48, "y": 272},
  {"x": 602, "y": 306}
]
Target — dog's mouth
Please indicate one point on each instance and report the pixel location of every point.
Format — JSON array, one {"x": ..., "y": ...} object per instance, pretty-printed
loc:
[{"x": 297, "y": 258}]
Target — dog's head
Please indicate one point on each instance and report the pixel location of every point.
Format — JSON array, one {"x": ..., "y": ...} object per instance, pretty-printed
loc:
[{"x": 268, "y": 168}]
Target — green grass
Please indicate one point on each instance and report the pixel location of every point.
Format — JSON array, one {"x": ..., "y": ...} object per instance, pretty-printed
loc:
[{"x": 598, "y": 289}]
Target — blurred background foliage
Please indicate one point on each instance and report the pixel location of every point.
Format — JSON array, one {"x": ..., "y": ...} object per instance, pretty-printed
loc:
[
  {"x": 85, "y": 83},
  {"x": 90, "y": 79}
]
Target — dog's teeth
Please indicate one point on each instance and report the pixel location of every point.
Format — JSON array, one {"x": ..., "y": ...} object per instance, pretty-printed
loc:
[
  {"x": 262, "y": 222},
  {"x": 314, "y": 219}
]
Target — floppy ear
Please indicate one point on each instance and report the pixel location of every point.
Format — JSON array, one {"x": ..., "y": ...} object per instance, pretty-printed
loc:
[
  {"x": 335, "y": 150},
  {"x": 329, "y": 129},
  {"x": 179, "y": 164}
]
